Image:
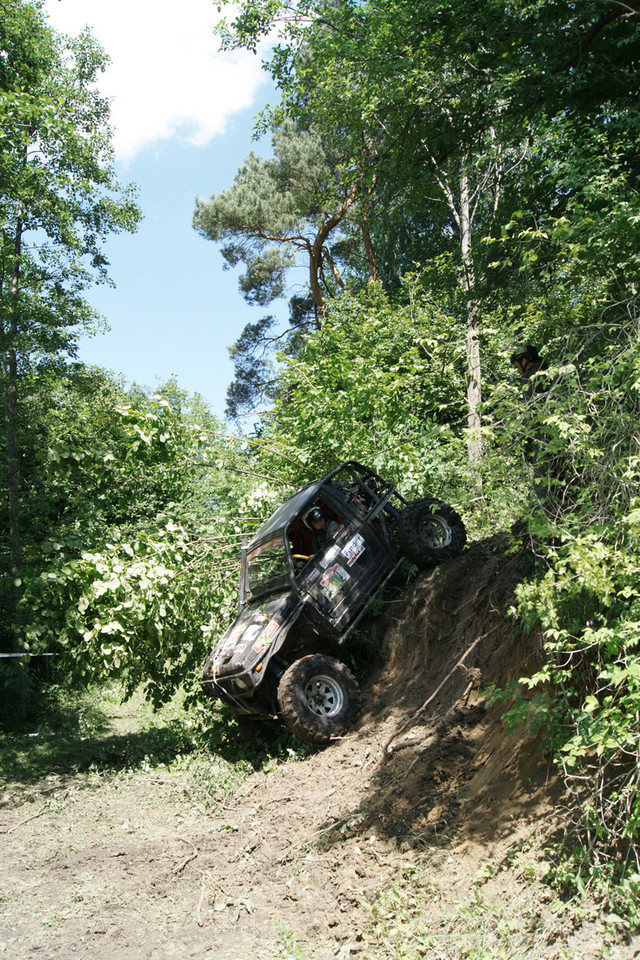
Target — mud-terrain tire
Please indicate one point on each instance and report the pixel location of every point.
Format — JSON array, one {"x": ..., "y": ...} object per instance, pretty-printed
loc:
[
  {"x": 430, "y": 531},
  {"x": 319, "y": 698}
]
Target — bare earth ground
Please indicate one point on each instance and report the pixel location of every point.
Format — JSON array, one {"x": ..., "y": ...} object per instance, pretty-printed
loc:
[{"x": 416, "y": 836}]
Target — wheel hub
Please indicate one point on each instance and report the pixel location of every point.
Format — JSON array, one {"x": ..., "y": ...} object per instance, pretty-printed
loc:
[{"x": 324, "y": 696}]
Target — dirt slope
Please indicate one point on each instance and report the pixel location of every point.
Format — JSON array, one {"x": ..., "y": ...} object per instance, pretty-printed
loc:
[{"x": 409, "y": 838}]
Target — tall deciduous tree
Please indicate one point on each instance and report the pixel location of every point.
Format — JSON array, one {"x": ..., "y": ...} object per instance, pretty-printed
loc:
[
  {"x": 59, "y": 200},
  {"x": 450, "y": 93}
]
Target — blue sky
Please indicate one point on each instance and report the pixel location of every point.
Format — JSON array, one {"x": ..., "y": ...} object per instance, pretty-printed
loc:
[{"x": 183, "y": 115}]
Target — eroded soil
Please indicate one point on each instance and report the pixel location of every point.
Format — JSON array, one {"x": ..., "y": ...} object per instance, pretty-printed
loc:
[{"x": 416, "y": 836}]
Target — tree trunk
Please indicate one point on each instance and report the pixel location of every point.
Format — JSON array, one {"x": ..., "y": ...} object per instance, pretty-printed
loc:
[
  {"x": 463, "y": 209},
  {"x": 315, "y": 259},
  {"x": 474, "y": 381},
  {"x": 10, "y": 403},
  {"x": 368, "y": 246},
  {"x": 315, "y": 249}
]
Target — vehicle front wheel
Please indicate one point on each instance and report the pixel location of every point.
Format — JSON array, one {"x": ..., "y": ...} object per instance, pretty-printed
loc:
[
  {"x": 430, "y": 531},
  {"x": 319, "y": 698}
]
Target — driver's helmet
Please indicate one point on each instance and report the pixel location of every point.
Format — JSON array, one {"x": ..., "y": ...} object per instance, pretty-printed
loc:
[{"x": 311, "y": 515}]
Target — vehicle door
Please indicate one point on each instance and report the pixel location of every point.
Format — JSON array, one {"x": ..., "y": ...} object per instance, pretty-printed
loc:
[{"x": 341, "y": 577}]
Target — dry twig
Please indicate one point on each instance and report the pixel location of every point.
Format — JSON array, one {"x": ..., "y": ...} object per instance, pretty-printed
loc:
[
  {"x": 28, "y": 819},
  {"x": 187, "y": 859}
]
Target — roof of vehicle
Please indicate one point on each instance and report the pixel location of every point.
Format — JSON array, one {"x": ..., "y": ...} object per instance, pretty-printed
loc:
[
  {"x": 294, "y": 506},
  {"x": 287, "y": 511}
]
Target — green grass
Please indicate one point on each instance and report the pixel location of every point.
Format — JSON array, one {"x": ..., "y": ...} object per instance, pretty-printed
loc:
[
  {"x": 70, "y": 732},
  {"x": 505, "y": 913},
  {"x": 64, "y": 731}
]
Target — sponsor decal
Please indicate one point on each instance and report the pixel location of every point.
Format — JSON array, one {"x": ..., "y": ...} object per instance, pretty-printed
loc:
[
  {"x": 333, "y": 580},
  {"x": 354, "y": 549},
  {"x": 266, "y": 636},
  {"x": 253, "y": 630},
  {"x": 225, "y": 648},
  {"x": 269, "y": 630},
  {"x": 330, "y": 556}
]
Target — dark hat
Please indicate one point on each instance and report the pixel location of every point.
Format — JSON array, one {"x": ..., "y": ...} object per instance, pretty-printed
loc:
[{"x": 525, "y": 353}]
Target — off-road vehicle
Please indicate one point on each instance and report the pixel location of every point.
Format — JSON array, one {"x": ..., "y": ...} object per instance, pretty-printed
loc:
[{"x": 300, "y": 599}]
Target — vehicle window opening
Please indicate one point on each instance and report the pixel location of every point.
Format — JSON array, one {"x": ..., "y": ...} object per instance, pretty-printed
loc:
[
  {"x": 301, "y": 536},
  {"x": 267, "y": 567}
]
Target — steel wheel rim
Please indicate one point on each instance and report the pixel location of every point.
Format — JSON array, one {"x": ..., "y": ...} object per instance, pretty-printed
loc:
[
  {"x": 436, "y": 532},
  {"x": 324, "y": 696}
]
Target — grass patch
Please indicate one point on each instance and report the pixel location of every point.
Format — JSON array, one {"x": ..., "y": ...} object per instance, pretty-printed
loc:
[
  {"x": 75, "y": 731},
  {"x": 501, "y": 913},
  {"x": 68, "y": 731}
]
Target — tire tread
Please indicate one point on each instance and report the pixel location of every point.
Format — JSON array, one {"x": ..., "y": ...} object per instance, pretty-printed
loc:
[{"x": 294, "y": 711}]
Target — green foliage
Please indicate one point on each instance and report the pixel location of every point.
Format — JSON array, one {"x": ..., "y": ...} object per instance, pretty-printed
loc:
[
  {"x": 59, "y": 200},
  {"x": 589, "y": 606},
  {"x": 132, "y": 565},
  {"x": 123, "y": 611},
  {"x": 284, "y": 209},
  {"x": 381, "y": 383},
  {"x": 57, "y": 179},
  {"x": 253, "y": 354}
]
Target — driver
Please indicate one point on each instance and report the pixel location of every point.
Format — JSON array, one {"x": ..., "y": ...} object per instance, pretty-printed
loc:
[{"x": 322, "y": 529}]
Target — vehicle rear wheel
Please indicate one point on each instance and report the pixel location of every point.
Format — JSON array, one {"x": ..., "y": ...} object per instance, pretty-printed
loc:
[
  {"x": 430, "y": 531},
  {"x": 319, "y": 698}
]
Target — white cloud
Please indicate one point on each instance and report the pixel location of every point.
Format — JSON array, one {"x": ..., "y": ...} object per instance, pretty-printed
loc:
[{"x": 166, "y": 77}]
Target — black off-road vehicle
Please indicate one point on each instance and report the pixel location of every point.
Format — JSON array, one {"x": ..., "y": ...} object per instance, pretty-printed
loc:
[{"x": 300, "y": 599}]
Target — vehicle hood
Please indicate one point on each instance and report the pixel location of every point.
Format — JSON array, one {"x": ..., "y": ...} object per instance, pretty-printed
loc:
[{"x": 255, "y": 636}]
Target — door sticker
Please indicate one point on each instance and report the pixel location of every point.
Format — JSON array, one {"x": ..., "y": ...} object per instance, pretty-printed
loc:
[
  {"x": 330, "y": 555},
  {"x": 266, "y": 636},
  {"x": 354, "y": 549},
  {"x": 333, "y": 580}
]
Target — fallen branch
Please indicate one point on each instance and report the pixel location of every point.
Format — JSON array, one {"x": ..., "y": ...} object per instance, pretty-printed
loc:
[
  {"x": 28, "y": 819},
  {"x": 203, "y": 890},
  {"x": 187, "y": 859},
  {"x": 424, "y": 746}
]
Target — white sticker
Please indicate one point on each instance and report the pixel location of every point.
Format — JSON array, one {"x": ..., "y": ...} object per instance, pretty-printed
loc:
[
  {"x": 354, "y": 549},
  {"x": 330, "y": 556},
  {"x": 266, "y": 636}
]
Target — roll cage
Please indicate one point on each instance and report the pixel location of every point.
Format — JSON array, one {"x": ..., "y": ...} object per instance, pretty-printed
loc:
[{"x": 349, "y": 493}]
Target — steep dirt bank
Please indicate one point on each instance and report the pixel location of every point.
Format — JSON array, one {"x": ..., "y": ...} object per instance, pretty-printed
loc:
[{"x": 413, "y": 837}]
